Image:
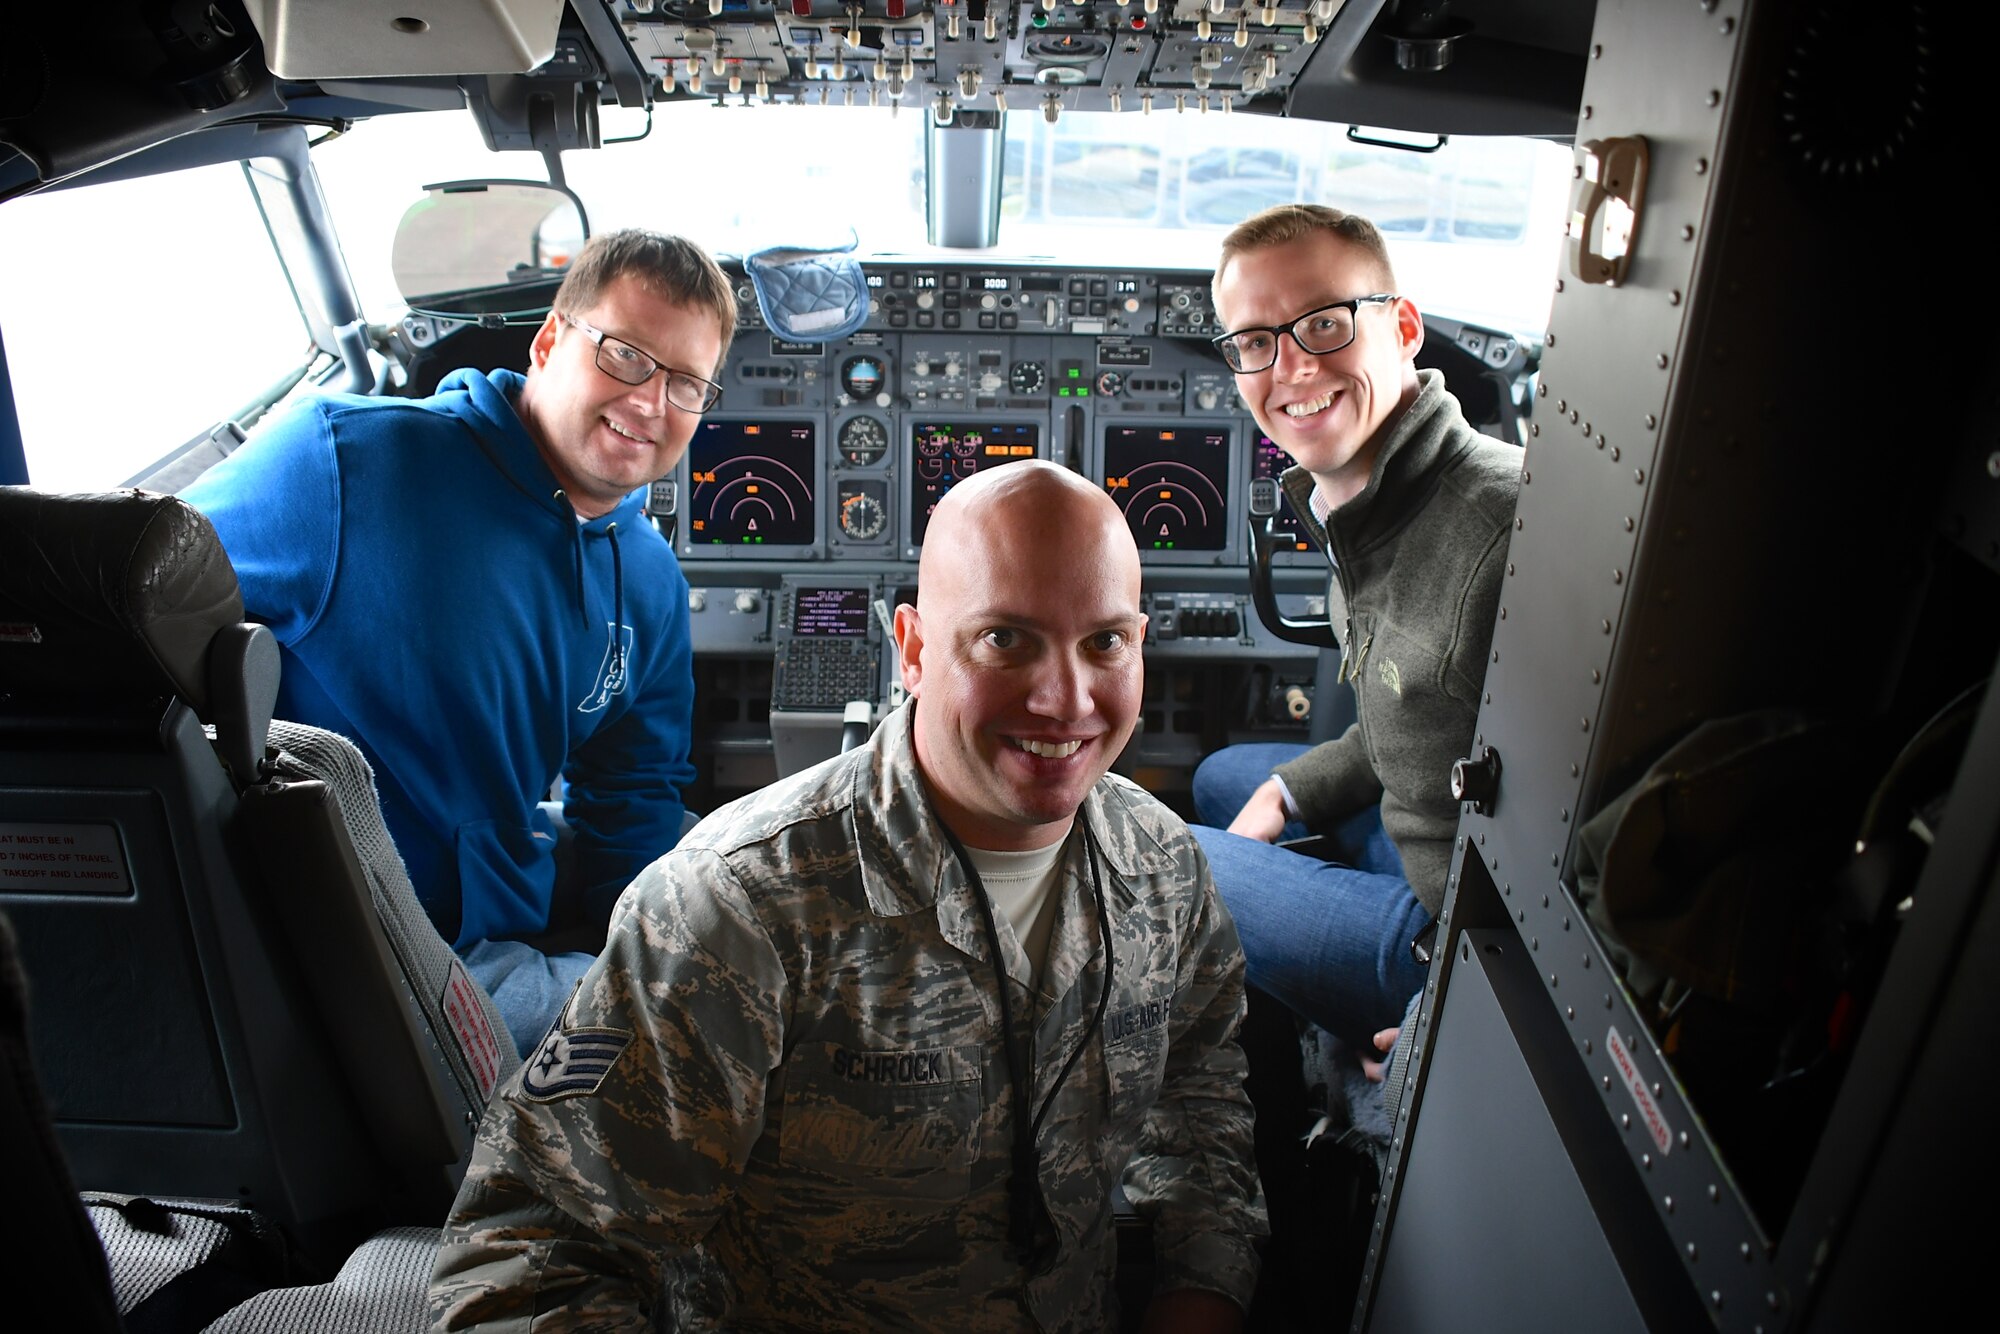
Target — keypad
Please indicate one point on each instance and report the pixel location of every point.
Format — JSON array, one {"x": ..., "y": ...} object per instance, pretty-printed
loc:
[{"x": 823, "y": 674}]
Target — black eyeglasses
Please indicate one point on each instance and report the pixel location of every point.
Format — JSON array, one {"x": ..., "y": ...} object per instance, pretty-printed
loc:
[
  {"x": 628, "y": 365},
  {"x": 1328, "y": 329}
]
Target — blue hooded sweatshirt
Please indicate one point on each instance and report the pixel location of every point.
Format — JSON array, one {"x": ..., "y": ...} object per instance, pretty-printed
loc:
[{"x": 437, "y": 600}]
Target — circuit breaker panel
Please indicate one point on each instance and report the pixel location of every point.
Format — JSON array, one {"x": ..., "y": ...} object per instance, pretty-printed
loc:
[{"x": 1705, "y": 1023}]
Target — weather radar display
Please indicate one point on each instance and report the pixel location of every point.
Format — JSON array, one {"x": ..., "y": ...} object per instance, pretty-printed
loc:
[
  {"x": 751, "y": 483},
  {"x": 1172, "y": 483}
]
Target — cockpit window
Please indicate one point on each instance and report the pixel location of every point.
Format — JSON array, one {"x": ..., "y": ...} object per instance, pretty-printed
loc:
[
  {"x": 1474, "y": 227},
  {"x": 138, "y": 314}
]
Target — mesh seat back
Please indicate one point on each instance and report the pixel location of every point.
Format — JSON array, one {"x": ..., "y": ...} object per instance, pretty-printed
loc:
[{"x": 458, "y": 1015}]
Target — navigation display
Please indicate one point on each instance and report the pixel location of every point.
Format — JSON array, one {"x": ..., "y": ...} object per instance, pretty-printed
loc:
[
  {"x": 945, "y": 453},
  {"x": 1269, "y": 460},
  {"x": 1172, "y": 483},
  {"x": 820, "y": 613},
  {"x": 751, "y": 483}
]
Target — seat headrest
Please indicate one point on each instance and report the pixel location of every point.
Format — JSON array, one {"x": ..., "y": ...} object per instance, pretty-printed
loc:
[{"x": 118, "y": 593}]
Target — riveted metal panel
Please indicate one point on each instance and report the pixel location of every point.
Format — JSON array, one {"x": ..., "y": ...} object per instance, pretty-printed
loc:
[
  {"x": 1591, "y": 462},
  {"x": 1491, "y": 1118},
  {"x": 1580, "y": 641},
  {"x": 1710, "y": 524}
]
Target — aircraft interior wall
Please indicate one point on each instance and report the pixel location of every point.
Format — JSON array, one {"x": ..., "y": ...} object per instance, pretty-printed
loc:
[{"x": 1712, "y": 903}]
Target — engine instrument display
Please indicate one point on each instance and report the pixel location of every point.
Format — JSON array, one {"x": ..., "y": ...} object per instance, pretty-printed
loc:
[
  {"x": 751, "y": 483},
  {"x": 1172, "y": 483},
  {"x": 946, "y": 453},
  {"x": 1269, "y": 460}
]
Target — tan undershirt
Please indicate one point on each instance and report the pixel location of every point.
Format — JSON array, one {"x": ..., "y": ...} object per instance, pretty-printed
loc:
[{"x": 1022, "y": 886}]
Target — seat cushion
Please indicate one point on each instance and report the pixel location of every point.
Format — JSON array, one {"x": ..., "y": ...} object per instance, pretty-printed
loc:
[{"x": 382, "y": 1289}]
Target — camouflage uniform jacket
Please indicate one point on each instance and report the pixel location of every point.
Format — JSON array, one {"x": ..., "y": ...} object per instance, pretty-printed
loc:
[{"x": 784, "y": 1081}]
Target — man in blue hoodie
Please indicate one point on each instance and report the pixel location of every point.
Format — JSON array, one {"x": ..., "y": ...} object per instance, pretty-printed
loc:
[{"x": 468, "y": 586}]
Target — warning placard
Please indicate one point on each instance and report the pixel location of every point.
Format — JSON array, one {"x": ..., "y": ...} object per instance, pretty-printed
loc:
[
  {"x": 1635, "y": 1084},
  {"x": 62, "y": 859}
]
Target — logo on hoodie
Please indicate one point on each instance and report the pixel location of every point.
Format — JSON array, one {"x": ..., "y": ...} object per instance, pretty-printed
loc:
[{"x": 611, "y": 672}]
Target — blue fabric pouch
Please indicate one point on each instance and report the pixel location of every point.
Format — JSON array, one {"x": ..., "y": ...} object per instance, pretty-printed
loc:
[{"x": 812, "y": 296}]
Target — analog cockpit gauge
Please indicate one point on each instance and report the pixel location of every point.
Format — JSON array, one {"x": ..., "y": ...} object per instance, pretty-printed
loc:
[
  {"x": 862, "y": 376},
  {"x": 1027, "y": 377},
  {"x": 862, "y": 516},
  {"x": 863, "y": 440}
]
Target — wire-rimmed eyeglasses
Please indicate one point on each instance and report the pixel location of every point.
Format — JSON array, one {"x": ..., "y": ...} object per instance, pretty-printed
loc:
[
  {"x": 1327, "y": 329},
  {"x": 628, "y": 365}
]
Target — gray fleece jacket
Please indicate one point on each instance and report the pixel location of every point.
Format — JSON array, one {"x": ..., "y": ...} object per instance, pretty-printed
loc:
[{"x": 1417, "y": 561}]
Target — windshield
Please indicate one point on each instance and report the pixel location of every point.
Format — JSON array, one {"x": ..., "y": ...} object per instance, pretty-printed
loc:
[
  {"x": 137, "y": 314},
  {"x": 1474, "y": 228}
]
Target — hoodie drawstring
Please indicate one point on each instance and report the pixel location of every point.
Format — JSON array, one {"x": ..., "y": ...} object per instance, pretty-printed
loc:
[
  {"x": 561, "y": 498},
  {"x": 617, "y": 585},
  {"x": 617, "y": 601}
]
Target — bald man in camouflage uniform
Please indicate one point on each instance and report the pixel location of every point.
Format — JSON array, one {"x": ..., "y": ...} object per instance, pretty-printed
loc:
[{"x": 783, "y": 1096}]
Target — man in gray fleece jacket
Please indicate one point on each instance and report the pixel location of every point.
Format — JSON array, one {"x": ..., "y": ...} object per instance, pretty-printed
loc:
[{"x": 1412, "y": 508}]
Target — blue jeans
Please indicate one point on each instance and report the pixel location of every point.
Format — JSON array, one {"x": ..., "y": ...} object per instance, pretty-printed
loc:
[
  {"x": 1331, "y": 939},
  {"x": 529, "y": 987}
]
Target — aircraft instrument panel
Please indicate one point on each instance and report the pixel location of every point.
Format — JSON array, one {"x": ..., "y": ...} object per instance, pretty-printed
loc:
[{"x": 840, "y": 451}]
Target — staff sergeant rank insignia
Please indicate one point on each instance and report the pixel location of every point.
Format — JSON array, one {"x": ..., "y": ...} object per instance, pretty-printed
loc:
[{"x": 572, "y": 1062}]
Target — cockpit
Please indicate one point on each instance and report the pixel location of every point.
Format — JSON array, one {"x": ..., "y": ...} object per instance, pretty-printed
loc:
[{"x": 960, "y": 235}]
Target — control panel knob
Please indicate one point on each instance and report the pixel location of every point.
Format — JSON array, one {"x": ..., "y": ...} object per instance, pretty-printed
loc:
[
  {"x": 747, "y": 600},
  {"x": 1052, "y": 311},
  {"x": 989, "y": 302},
  {"x": 697, "y": 599},
  {"x": 1206, "y": 399},
  {"x": 921, "y": 366},
  {"x": 1109, "y": 383},
  {"x": 951, "y": 368},
  {"x": 989, "y": 383},
  {"x": 925, "y": 300}
]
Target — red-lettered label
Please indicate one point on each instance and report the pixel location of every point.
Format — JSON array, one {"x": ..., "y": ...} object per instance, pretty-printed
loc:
[
  {"x": 1649, "y": 1111},
  {"x": 467, "y": 1018}
]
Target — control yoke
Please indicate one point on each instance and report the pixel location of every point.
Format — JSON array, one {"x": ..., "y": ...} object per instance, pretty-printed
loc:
[{"x": 1313, "y": 632}]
